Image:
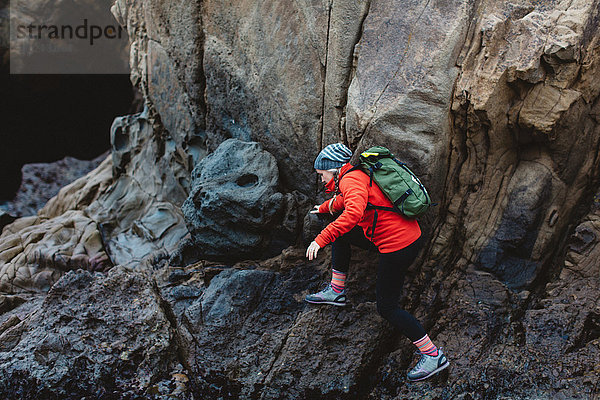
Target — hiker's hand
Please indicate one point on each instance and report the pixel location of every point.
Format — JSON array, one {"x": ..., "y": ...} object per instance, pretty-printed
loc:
[
  {"x": 312, "y": 250},
  {"x": 315, "y": 210}
]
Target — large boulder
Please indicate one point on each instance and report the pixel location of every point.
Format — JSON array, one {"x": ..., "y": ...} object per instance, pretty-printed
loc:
[
  {"x": 94, "y": 335},
  {"x": 232, "y": 208},
  {"x": 247, "y": 332}
]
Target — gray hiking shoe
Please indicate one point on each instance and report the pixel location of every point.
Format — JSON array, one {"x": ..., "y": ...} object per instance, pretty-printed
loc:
[
  {"x": 328, "y": 296},
  {"x": 428, "y": 366}
]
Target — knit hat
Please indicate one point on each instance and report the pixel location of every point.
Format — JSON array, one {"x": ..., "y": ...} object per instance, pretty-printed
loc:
[{"x": 333, "y": 156}]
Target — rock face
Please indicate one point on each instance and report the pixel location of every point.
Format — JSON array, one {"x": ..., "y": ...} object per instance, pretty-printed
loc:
[
  {"x": 285, "y": 55},
  {"x": 495, "y": 104},
  {"x": 233, "y": 202}
]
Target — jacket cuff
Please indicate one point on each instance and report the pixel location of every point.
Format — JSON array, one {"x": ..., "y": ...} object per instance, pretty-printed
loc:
[
  {"x": 324, "y": 208},
  {"x": 320, "y": 241}
]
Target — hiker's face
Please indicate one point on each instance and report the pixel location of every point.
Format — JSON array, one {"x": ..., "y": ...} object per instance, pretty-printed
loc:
[{"x": 326, "y": 176}]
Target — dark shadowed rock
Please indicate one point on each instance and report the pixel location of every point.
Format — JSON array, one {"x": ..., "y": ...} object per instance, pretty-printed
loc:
[
  {"x": 94, "y": 335},
  {"x": 251, "y": 335},
  {"x": 234, "y": 201},
  {"x": 42, "y": 181},
  {"x": 5, "y": 219},
  {"x": 508, "y": 254}
]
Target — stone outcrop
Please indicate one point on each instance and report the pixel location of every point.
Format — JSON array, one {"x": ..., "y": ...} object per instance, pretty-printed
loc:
[
  {"x": 234, "y": 209},
  {"x": 98, "y": 221},
  {"x": 495, "y": 104},
  {"x": 280, "y": 341},
  {"x": 526, "y": 139},
  {"x": 93, "y": 334}
]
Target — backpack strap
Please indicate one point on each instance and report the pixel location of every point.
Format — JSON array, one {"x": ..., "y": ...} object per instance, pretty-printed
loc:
[
  {"x": 369, "y": 205},
  {"x": 354, "y": 168},
  {"x": 374, "y": 224},
  {"x": 371, "y": 171}
]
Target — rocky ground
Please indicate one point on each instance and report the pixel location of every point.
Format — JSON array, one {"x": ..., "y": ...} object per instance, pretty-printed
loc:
[{"x": 209, "y": 330}]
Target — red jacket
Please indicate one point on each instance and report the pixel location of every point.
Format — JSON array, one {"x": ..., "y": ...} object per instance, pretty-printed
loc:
[{"x": 393, "y": 231}]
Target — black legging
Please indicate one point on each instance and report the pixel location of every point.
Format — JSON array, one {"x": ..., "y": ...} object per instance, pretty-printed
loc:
[{"x": 390, "y": 278}]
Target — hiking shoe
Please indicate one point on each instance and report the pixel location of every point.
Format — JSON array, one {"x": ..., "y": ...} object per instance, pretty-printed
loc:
[
  {"x": 428, "y": 366},
  {"x": 328, "y": 296}
]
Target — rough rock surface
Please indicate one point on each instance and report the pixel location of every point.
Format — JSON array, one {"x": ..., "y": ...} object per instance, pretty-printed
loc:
[
  {"x": 98, "y": 221},
  {"x": 38, "y": 252},
  {"x": 42, "y": 181},
  {"x": 94, "y": 334},
  {"x": 234, "y": 206},
  {"x": 247, "y": 333},
  {"x": 403, "y": 81},
  {"x": 282, "y": 62},
  {"x": 494, "y": 103}
]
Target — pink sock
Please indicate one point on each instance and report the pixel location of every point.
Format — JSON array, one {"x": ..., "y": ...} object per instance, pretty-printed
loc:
[
  {"x": 338, "y": 281},
  {"x": 425, "y": 346}
]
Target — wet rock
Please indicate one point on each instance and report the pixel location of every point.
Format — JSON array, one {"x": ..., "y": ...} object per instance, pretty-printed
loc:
[
  {"x": 234, "y": 201},
  {"x": 185, "y": 292},
  {"x": 178, "y": 275},
  {"x": 295, "y": 206},
  {"x": 566, "y": 320},
  {"x": 251, "y": 334},
  {"x": 8, "y": 302},
  {"x": 509, "y": 252},
  {"x": 232, "y": 295}
]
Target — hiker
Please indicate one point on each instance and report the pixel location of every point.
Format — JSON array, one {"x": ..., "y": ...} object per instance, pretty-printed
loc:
[{"x": 396, "y": 238}]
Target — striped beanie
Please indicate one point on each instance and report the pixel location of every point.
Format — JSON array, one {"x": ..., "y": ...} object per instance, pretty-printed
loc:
[{"x": 333, "y": 156}]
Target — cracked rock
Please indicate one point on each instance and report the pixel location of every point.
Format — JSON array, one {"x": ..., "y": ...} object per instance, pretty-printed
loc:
[{"x": 93, "y": 335}]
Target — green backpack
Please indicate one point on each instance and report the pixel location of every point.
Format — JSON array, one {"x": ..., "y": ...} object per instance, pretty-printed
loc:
[{"x": 396, "y": 181}]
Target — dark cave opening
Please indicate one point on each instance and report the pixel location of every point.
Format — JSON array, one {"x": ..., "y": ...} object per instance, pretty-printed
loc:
[{"x": 48, "y": 117}]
